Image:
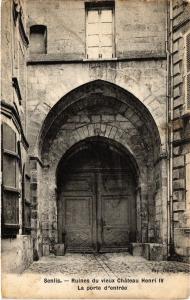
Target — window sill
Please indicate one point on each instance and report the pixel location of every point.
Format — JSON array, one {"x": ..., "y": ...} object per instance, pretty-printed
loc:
[
  {"x": 11, "y": 225},
  {"x": 11, "y": 153},
  {"x": 73, "y": 58},
  {"x": 11, "y": 189},
  {"x": 100, "y": 59}
]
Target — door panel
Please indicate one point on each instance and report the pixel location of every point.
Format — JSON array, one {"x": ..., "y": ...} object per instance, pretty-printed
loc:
[
  {"x": 98, "y": 211},
  {"x": 78, "y": 222},
  {"x": 115, "y": 210},
  {"x": 115, "y": 221},
  {"x": 78, "y": 202},
  {"x": 116, "y": 199}
]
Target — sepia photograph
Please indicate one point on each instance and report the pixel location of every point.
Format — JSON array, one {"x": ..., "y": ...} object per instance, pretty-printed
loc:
[{"x": 95, "y": 149}]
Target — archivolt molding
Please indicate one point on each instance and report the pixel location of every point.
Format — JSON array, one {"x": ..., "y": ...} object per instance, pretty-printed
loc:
[{"x": 99, "y": 93}]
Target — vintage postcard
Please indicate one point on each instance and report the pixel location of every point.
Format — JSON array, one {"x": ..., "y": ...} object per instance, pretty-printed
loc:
[{"x": 95, "y": 160}]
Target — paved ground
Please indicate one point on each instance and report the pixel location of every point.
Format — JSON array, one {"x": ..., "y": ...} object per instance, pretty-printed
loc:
[
  {"x": 110, "y": 264},
  {"x": 105, "y": 276}
]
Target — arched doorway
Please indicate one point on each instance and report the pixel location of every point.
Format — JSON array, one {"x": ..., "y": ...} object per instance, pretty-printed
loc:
[
  {"x": 86, "y": 116},
  {"x": 96, "y": 182}
]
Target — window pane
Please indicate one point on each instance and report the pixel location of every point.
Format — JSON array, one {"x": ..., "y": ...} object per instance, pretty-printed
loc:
[
  {"x": 9, "y": 171},
  {"x": 93, "y": 40},
  {"x": 93, "y": 52},
  {"x": 99, "y": 33},
  {"x": 188, "y": 52},
  {"x": 10, "y": 208},
  {"x": 106, "y": 16},
  {"x": 37, "y": 43},
  {"x": 93, "y": 16},
  {"x": 9, "y": 138},
  {"x": 106, "y": 40},
  {"x": 188, "y": 91},
  {"x": 93, "y": 29},
  {"x": 106, "y": 52},
  {"x": 106, "y": 28}
]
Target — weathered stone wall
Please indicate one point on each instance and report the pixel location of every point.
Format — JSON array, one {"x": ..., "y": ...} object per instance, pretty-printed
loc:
[
  {"x": 17, "y": 254},
  {"x": 139, "y": 27},
  {"x": 140, "y": 33},
  {"x": 13, "y": 59},
  {"x": 17, "y": 251},
  {"x": 47, "y": 84},
  {"x": 95, "y": 114},
  {"x": 6, "y": 54},
  {"x": 181, "y": 130}
]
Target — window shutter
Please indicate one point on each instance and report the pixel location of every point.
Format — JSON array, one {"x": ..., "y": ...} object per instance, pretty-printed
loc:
[
  {"x": 187, "y": 73},
  {"x": 188, "y": 182},
  {"x": 10, "y": 171},
  {"x": 26, "y": 200},
  {"x": 99, "y": 33},
  {"x": 92, "y": 34},
  {"x": 106, "y": 35}
]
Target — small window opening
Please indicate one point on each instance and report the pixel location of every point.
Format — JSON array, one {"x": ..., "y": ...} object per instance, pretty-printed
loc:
[{"x": 38, "y": 39}]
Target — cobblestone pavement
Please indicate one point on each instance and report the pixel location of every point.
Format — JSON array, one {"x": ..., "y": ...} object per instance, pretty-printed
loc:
[
  {"x": 105, "y": 276},
  {"x": 110, "y": 264}
]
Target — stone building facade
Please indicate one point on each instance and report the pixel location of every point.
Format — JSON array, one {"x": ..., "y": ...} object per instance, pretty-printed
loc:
[
  {"x": 106, "y": 117},
  {"x": 17, "y": 245}
]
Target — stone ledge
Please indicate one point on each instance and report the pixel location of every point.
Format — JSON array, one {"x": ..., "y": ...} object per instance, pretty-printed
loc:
[
  {"x": 60, "y": 58},
  {"x": 150, "y": 251}
]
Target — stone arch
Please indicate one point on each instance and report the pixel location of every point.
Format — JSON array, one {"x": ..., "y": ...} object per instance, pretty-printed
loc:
[
  {"x": 46, "y": 114},
  {"x": 113, "y": 144},
  {"x": 102, "y": 158},
  {"x": 100, "y": 109}
]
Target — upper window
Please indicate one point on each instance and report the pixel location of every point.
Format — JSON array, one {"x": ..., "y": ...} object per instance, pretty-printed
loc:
[
  {"x": 38, "y": 39},
  {"x": 10, "y": 184},
  {"x": 99, "y": 33},
  {"x": 187, "y": 71}
]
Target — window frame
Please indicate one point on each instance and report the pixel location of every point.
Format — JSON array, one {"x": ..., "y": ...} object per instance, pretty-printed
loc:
[
  {"x": 40, "y": 29},
  {"x": 100, "y": 6},
  {"x": 26, "y": 203},
  {"x": 186, "y": 71},
  {"x": 10, "y": 229}
]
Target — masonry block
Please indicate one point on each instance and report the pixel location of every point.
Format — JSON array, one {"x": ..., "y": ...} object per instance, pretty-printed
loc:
[
  {"x": 95, "y": 118},
  {"x": 178, "y": 161},
  {"x": 146, "y": 250},
  {"x": 45, "y": 250},
  {"x": 136, "y": 249},
  {"x": 176, "y": 92},
  {"x": 177, "y": 136},
  {"x": 59, "y": 249},
  {"x": 107, "y": 118},
  {"x": 156, "y": 252},
  {"x": 176, "y": 59},
  {"x": 178, "y": 184},
  {"x": 177, "y": 69},
  {"x": 176, "y": 150},
  {"x": 178, "y": 102},
  {"x": 178, "y": 79},
  {"x": 177, "y": 124},
  {"x": 179, "y": 206},
  {"x": 178, "y": 195}
]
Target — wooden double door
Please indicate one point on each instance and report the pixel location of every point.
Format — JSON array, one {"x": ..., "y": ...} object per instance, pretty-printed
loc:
[{"x": 97, "y": 211}]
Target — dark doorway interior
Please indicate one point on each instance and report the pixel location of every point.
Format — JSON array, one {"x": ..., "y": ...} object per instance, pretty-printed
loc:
[{"x": 96, "y": 198}]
